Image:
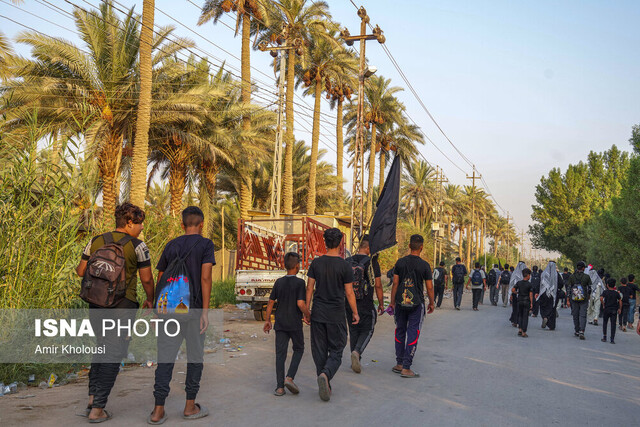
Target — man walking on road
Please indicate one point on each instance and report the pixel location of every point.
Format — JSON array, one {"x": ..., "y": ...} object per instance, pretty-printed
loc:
[
  {"x": 535, "y": 283},
  {"x": 505, "y": 278},
  {"x": 458, "y": 273},
  {"x": 478, "y": 282},
  {"x": 580, "y": 291},
  {"x": 440, "y": 281},
  {"x": 411, "y": 273},
  {"x": 492, "y": 283},
  {"x": 632, "y": 299},
  {"x": 524, "y": 289},
  {"x": 330, "y": 279},
  {"x": 361, "y": 333}
]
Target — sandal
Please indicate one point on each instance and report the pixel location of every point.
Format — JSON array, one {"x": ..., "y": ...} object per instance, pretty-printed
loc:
[
  {"x": 279, "y": 393},
  {"x": 414, "y": 375},
  {"x": 396, "y": 370},
  {"x": 200, "y": 414},
  {"x": 103, "y": 419},
  {"x": 160, "y": 421}
]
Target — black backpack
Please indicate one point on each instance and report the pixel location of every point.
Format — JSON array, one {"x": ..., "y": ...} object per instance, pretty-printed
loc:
[
  {"x": 492, "y": 277},
  {"x": 505, "y": 277},
  {"x": 438, "y": 276},
  {"x": 361, "y": 285},
  {"x": 457, "y": 272},
  {"x": 175, "y": 291},
  {"x": 476, "y": 278},
  {"x": 408, "y": 295}
]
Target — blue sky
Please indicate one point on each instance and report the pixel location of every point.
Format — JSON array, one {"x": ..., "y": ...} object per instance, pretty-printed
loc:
[{"x": 518, "y": 86}]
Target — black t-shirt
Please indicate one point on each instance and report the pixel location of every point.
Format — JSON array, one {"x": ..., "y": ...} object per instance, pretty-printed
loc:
[
  {"x": 441, "y": 275},
  {"x": 421, "y": 268},
  {"x": 625, "y": 292},
  {"x": 458, "y": 274},
  {"x": 203, "y": 252},
  {"x": 634, "y": 288},
  {"x": 366, "y": 303},
  {"x": 330, "y": 273},
  {"x": 288, "y": 290},
  {"x": 611, "y": 299},
  {"x": 523, "y": 288}
]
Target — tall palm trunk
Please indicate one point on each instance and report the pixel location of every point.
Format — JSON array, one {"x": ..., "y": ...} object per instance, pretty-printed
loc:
[
  {"x": 109, "y": 166},
  {"x": 469, "y": 243},
  {"x": 205, "y": 205},
  {"x": 339, "y": 148},
  {"x": 177, "y": 179},
  {"x": 287, "y": 179},
  {"x": 246, "y": 190},
  {"x": 209, "y": 178},
  {"x": 482, "y": 237},
  {"x": 246, "y": 68},
  {"x": 383, "y": 161},
  {"x": 246, "y": 196},
  {"x": 372, "y": 171},
  {"x": 141, "y": 145},
  {"x": 460, "y": 240},
  {"x": 315, "y": 136},
  {"x": 495, "y": 247}
]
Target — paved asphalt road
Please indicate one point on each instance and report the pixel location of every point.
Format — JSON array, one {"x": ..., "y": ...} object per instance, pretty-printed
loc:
[{"x": 475, "y": 372}]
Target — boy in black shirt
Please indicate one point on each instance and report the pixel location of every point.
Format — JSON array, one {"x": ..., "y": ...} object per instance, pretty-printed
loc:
[
  {"x": 440, "y": 277},
  {"x": 612, "y": 304},
  {"x": 458, "y": 273},
  {"x": 632, "y": 298},
  {"x": 524, "y": 288},
  {"x": 625, "y": 293},
  {"x": 361, "y": 333},
  {"x": 330, "y": 280},
  {"x": 411, "y": 273},
  {"x": 200, "y": 259},
  {"x": 289, "y": 292}
]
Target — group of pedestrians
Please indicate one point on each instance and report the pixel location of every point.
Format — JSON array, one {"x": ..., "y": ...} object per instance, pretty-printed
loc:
[
  {"x": 340, "y": 292},
  {"x": 117, "y": 258}
]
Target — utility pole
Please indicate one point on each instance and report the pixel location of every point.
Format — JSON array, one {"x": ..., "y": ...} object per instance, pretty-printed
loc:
[
  {"x": 276, "y": 179},
  {"x": 522, "y": 244},
  {"x": 224, "y": 255},
  {"x": 357, "y": 194},
  {"x": 484, "y": 230},
  {"x": 437, "y": 242},
  {"x": 473, "y": 178}
]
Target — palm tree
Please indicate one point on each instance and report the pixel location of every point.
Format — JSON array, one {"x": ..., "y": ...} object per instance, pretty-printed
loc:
[
  {"x": 326, "y": 57},
  {"x": 340, "y": 88},
  {"x": 247, "y": 12},
  {"x": 141, "y": 144},
  {"x": 380, "y": 107},
  {"x": 6, "y": 55},
  {"x": 402, "y": 139},
  {"x": 419, "y": 192},
  {"x": 301, "y": 20},
  {"x": 94, "y": 93}
]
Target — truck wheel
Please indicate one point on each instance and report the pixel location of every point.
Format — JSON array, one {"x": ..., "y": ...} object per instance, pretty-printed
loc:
[{"x": 259, "y": 315}]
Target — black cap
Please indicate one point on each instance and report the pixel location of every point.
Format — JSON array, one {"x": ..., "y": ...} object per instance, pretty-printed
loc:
[{"x": 581, "y": 265}]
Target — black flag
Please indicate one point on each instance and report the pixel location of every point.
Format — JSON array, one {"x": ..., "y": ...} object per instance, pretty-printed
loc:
[{"x": 382, "y": 234}]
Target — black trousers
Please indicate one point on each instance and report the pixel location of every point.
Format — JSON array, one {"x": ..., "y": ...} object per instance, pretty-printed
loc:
[
  {"x": 548, "y": 310},
  {"x": 104, "y": 369},
  {"x": 282, "y": 344},
  {"x": 328, "y": 341},
  {"x": 438, "y": 293},
  {"x": 477, "y": 295},
  {"x": 515, "y": 318},
  {"x": 168, "y": 348},
  {"x": 609, "y": 314},
  {"x": 360, "y": 334},
  {"x": 523, "y": 314},
  {"x": 624, "y": 316},
  {"x": 536, "y": 307}
]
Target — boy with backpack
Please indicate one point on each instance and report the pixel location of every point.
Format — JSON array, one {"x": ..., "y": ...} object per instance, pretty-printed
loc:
[
  {"x": 492, "y": 282},
  {"x": 524, "y": 290},
  {"x": 289, "y": 293},
  {"x": 440, "y": 279},
  {"x": 458, "y": 273},
  {"x": 407, "y": 302},
  {"x": 363, "y": 268},
  {"x": 183, "y": 291},
  {"x": 625, "y": 293},
  {"x": 505, "y": 278},
  {"x": 478, "y": 281},
  {"x": 580, "y": 292},
  {"x": 330, "y": 280},
  {"x": 612, "y": 307},
  {"x": 108, "y": 269}
]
